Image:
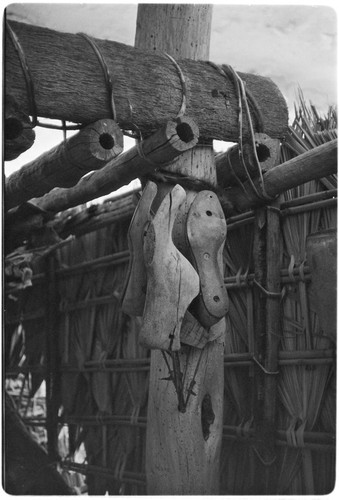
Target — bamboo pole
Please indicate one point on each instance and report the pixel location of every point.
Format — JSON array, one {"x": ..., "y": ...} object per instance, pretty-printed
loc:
[
  {"x": 115, "y": 213},
  {"x": 178, "y": 458},
  {"x": 314, "y": 164},
  {"x": 230, "y": 168},
  {"x": 125, "y": 477},
  {"x": 238, "y": 360},
  {"x": 310, "y": 198},
  {"x": 90, "y": 149},
  {"x": 69, "y": 84},
  {"x": 19, "y": 133},
  {"x": 163, "y": 146}
]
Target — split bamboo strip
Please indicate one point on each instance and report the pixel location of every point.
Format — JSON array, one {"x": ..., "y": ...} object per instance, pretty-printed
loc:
[
  {"x": 12, "y": 320},
  {"x": 232, "y": 283},
  {"x": 323, "y": 448},
  {"x": 106, "y": 299},
  {"x": 308, "y": 207},
  {"x": 291, "y": 210},
  {"x": 122, "y": 257},
  {"x": 315, "y": 437},
  {"x": 127, "y": 209},
  {"x": 310, "y": 198},
  {"x": 98, "y": 420},
  {"x": 94, "y": 264},
  {"x": 163, "y": 146},
  {"x": 126, "y": 476},
  {"x": 102, "y": 368},
  {"x": 99, "y": 221},
  {"x": 69, "y": 85},
  {"x": 87, "y": 266},
  {"x": 318, "y": 356},
  {"x": 90, "y": 149}
]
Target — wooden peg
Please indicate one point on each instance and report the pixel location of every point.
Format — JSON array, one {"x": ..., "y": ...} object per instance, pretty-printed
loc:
[
  {"x": 134, "y": 294},
  {"x": 206, "y": 234},
  {"x": 172, "y": 282}
]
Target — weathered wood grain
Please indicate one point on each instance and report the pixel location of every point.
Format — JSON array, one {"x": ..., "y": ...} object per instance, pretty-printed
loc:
[
  {"x": 230, "y": 168},
  {"x": 164, "y": 145},
  {"x": 90, "y": 149},
  {"x": 69, "y": 83},
  {"x": 314, "y": 164},
  {"x": 134, "y": 292},
  {"x": 172, "y": 282},
  {"x": 183, "y": 449}
]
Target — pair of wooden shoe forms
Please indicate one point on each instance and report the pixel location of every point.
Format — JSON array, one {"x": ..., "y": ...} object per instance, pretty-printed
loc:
[{"x": 179, "y": 298}]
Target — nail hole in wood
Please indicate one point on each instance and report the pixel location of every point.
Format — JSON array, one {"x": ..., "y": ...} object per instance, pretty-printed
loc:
[
  {"x": 263, "y": 152},
  {"x": 106, "y": 141},
  {"x": 185, "y": 132},
  {"x": 207, "y": 416}
]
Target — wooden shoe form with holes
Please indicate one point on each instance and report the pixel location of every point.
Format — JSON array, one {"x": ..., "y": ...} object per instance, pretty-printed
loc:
[
  {"x": 206, "y": 235},
  {"x": 172, "y": 282},
  {"x": 134, "y": 293}
]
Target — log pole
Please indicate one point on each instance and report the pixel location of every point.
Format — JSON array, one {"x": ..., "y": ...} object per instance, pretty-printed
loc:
[
  {"x": 164, "y": 145},
  {"x": 69, "y": 84},
  {"x": 90, "y": 149},
  {"x": 314, "y": 164},
  {"x": 182, "y": 449},
  {"x": 19, "y": 134},
  {"x": 230, "y": 169}
]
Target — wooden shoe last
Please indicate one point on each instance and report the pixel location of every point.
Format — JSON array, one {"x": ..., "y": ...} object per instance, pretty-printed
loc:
[
  {"x": 206, "y": 234},
  {"x": 172, "y": 282}
]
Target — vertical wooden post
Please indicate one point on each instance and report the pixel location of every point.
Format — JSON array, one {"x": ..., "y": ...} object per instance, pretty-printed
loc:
[
  {"x": 273, "y": 306},
  {"x": 259, "y": 260},
  {"x": 181, "y": 457},
  {"x": 273, "y": 336}
]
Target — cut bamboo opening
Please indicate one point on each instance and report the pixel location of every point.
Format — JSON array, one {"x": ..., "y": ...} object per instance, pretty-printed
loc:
[
  {"x": 163, "y": 146},
  {"x": 90, "y": 149}
]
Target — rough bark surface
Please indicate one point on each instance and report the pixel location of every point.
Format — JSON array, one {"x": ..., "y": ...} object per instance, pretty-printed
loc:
[
  {"x": 90, "y": 149},
  {"x": 314, "y": 164},
  {"x": 164, "y": 145},
  {"x": 69, "y": 83}
]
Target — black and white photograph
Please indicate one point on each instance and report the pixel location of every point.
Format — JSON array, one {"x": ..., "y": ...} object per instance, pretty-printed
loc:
[{"x": 169, "y": 249}]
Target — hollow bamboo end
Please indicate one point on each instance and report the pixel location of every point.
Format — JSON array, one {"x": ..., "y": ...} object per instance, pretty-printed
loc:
[
  {"x": 183, "y": 133},
  {"x": 106, "y": 140}
]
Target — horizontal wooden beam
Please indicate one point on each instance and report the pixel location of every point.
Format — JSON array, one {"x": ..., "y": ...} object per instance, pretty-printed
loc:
[
  {"x": 90, "y": 149},
  {"x": 69, "y": 84},
  {"x": 314, "y": 164},
  {"x": 163, "y": 146}
]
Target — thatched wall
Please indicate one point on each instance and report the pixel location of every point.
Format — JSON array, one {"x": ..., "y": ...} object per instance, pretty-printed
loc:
[{"x": 99, "y": 383}]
